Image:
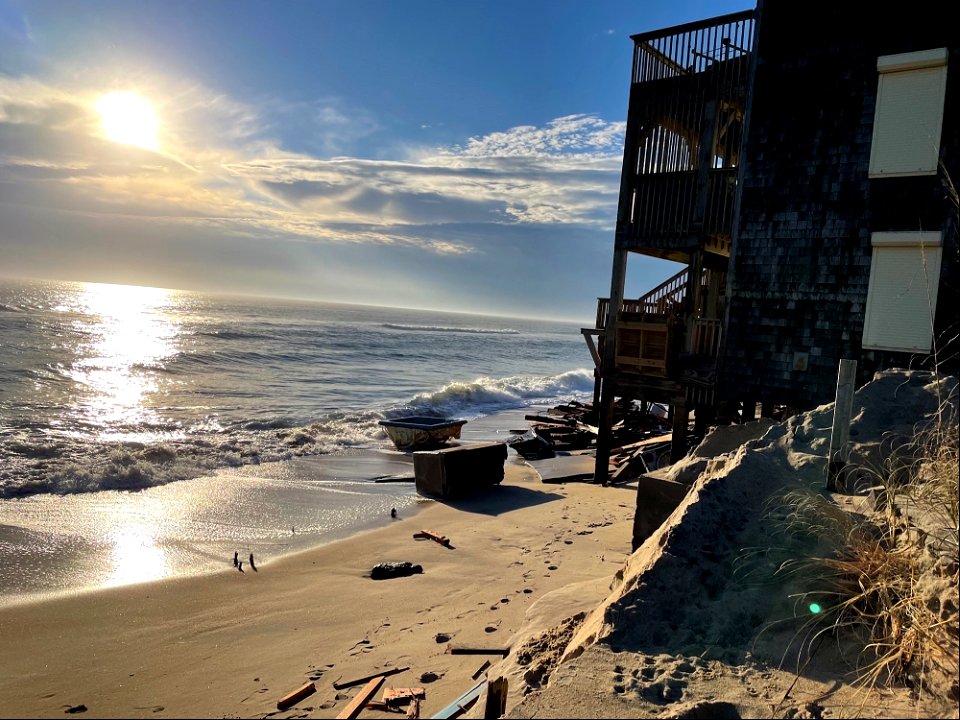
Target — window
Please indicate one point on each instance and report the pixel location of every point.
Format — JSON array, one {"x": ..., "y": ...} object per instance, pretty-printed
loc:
[
  {"x": 909, "y": 113},
  {"x": 902, "y": 295}
]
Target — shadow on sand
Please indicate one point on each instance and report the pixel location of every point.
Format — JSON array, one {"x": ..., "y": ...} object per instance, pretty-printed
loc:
[{"x": 500, "y": 499}]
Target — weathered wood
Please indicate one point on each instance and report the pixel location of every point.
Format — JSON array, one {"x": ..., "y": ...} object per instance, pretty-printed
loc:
[
  {"x": 394, "y": 694},
  {"x": 353, "y": 709},
  {"x": 480, "y": 670},
  {"x": 435, "y": 536},
  {"x": 413, "y": 712},
  {"x": 550, "y": 420},
  {"x": 842, "y": 413},
  {"x": 496, "y": 704},
  {"x": 360, "y": 681},
  {"x": 295, "y": 696},
  {"x": 452, "y": 650}
]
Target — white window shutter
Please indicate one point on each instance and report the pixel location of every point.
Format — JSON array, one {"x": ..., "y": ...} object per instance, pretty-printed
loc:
[
  {"x": 909, "y": 115},
  {"x": 902, "y": 295}
]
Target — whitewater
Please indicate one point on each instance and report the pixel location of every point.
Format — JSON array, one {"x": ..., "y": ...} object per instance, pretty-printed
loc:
[{"x": 146, "y": 433}]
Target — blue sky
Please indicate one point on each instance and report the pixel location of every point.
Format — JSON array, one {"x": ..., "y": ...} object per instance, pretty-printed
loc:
[{"x": 432, "y": 154}]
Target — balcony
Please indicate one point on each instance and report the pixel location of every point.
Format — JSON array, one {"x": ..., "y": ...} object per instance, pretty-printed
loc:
[{"x": 684, "y": 135}]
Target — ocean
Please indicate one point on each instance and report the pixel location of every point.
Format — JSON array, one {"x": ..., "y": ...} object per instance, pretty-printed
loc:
[{"x": 145, "y": 432}]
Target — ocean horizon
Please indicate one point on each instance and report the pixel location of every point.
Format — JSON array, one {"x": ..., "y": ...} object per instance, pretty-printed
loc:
[{"x": 145, "y": 432}]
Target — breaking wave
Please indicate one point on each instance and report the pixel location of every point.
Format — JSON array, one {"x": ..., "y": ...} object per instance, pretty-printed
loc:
[{"x": 33, "y": 460}]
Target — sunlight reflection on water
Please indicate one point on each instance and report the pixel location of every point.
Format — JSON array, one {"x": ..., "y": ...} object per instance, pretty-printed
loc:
[{"x": 130, "y": 332}]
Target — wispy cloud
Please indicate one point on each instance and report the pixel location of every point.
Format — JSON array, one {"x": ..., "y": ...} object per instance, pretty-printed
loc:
[{"x": 223, "y": 165}]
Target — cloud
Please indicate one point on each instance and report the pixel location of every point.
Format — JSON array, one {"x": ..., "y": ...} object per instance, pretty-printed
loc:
[{"x": 224, "y": 166}]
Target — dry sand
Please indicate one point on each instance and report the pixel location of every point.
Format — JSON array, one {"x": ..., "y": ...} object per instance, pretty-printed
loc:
[{"x": 696, "y": 623}]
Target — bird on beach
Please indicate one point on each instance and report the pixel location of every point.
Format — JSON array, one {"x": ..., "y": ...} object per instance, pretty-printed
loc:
[
  {"x": 236, "y": 558},
  {"x": 251, "y": 563},
  {"x": 393, "y": 512},
  {"x": 240, "y": 565}
]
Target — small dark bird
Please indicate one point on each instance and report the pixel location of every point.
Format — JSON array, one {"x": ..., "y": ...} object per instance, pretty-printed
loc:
[
  {"x": 240, "y": 566},
  {"x": 251, "y": 563},
  {"x": 393, "y": 512},
  {"x": 236, "y": 559}
]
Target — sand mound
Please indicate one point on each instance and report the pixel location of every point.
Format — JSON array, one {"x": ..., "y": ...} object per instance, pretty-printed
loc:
[{"x": 699, "y": 619}]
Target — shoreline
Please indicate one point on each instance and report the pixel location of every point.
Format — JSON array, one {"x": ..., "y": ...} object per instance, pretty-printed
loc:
[
  {"x": 57, "y": 545},
  {"x": 231, "y": 644}
]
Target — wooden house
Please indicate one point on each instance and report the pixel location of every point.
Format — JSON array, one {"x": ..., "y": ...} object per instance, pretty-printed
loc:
[{"x": 798, "y": 159}]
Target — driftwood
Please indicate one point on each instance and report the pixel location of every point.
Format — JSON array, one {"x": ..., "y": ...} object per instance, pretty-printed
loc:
[
  {"x": 296, "y": 696},
  {"x": 435, "y": 536},
  {"x": 357, "y": 704},
  {"x": 413, "y": 712},
  {"x": 360, "y": 681}
]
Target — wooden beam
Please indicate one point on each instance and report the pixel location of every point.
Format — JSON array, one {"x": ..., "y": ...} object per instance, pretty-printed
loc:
[
  {"x": 295, "y": 696},
  {"x": 356, "y": 705},
  {"x": 588, "y": 334},
  {"x": 452, "y": 650},
  {"x": 360, "y": 681}
]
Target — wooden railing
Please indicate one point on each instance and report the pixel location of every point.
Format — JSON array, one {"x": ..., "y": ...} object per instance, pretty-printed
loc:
[
  {"x": 664, "y": 299},
  {"x": 706, "y": 337}
]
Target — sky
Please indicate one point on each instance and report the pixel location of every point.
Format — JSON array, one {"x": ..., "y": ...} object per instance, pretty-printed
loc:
[{"x": 436, "y": 154}]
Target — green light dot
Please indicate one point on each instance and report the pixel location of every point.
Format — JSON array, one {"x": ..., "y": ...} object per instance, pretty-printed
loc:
[{"x": 815, "y": 608}]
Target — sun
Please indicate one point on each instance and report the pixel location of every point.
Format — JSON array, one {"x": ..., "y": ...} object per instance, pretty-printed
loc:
[{"x": 128, "y": 118}]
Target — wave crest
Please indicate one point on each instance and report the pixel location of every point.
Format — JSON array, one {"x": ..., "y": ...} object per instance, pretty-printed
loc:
[{"x": 444, "y": 329}]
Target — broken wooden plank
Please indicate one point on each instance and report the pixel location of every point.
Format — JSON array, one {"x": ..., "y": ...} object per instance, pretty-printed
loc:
[
  {"x": 496, "y": 704},
  {"x": 462, "y": 703},
  {"x": 480, "y": 670},
  {"x": 413, "y": 712},
  {"x": 455, "y": 650},
  {"x": 381, "y": 706},
  {"x": 435, "y": 536},
  {"x": 360, "y": 681},
  {"x": 295, "y": 696},
  {"x": 392, "y": 695},
  {"x": 353, "y": 709},
  {"x": 547, "y": 420}
]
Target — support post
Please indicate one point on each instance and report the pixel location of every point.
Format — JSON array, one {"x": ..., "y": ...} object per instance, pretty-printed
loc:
[
  {"x": 842, "y": 413},
  {"x": 678, "y": 440},
  {"x": 608, "y": 365}
]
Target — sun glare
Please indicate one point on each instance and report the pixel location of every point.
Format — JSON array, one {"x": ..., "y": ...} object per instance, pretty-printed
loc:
[{"x": 128, "y": 118}]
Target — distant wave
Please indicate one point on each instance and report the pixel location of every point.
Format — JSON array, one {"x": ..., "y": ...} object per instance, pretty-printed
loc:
[
  {"x": 440, "y": 328},
  {"x": 10, "y": 308}
]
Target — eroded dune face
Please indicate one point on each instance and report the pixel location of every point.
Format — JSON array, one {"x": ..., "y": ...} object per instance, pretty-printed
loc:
[{"x": 702, "y": 600}]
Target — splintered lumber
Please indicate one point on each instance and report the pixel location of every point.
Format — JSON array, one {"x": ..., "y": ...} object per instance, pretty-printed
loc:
[
  {"x": 548, "y": 420},
  {"x": 454, "y": 650},
  {"x": 496, "y": 704},
  {"x": 400, "y": 695},
  {"x": 353, "y": 709},
  {"x": 413, "y": 712},
  {"x": 295, "y": 696},
  {"x": 360, "y": 681},
  {"x": 462, "y": 703},
  {"x": 435, "y": 536},
  {"x": 479, "y": 671}
]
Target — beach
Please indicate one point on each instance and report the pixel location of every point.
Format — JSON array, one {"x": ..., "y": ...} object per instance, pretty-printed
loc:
[{"x": 230, "y": 644}]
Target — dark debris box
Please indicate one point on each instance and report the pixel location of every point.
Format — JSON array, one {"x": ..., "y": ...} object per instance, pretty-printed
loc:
[{"x": 458, "y": 471}]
